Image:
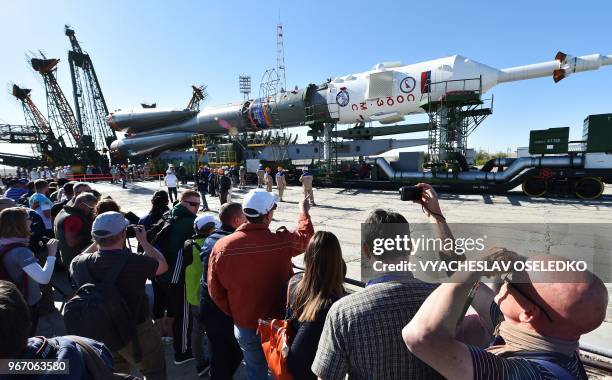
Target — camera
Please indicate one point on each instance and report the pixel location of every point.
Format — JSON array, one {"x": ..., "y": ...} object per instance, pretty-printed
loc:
[
  {"x": 410, "y": 193},
  {"x": 42, "y": 241},
  {"x": 130, "y": 231}
]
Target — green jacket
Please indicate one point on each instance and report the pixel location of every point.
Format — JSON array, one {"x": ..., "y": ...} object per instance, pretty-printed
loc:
[{"x": 181, "y": 220}]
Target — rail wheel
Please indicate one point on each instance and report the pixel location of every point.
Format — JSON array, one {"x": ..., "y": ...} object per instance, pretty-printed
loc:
[
  {"x": 535, "y": 187},
  {"x": 589, "y": 188}
]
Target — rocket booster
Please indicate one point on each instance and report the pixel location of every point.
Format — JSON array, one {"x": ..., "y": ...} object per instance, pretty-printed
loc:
[{"x": 386, "y": 94}]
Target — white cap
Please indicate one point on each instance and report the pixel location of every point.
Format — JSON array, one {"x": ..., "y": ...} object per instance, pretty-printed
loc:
[
  {"x": 258, "y": 202},
  {"x": 108, "y": 224},
  {"x": 205, "y": 219}
]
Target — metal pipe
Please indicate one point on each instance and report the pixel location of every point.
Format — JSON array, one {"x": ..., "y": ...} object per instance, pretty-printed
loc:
[{"x": 514, "y": 169}]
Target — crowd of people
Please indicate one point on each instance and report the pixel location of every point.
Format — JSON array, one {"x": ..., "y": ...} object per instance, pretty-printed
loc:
[
  {"x": 217, "y": 277},
  {"x": 117, "y": 173}
]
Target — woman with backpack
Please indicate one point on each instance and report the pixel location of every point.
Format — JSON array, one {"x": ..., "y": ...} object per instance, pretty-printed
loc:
[
  {"x": 159, "y": 205},
  {"x": 310, "y": 296},
  {"x": 18, "y": 263}
]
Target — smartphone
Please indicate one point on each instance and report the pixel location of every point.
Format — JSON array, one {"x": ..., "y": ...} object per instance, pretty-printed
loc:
[{"x": 410, "y": 193}]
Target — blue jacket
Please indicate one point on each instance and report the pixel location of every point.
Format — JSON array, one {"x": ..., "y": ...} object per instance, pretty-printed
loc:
[{"x": 15, "y": 193}]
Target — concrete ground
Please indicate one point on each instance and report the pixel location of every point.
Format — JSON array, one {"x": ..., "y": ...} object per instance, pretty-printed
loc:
[{"x": 341, "y": 211}]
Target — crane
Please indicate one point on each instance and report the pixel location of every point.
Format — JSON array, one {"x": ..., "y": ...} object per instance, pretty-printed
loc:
[
  {"x": 89, "y": 102},
  {"x": 60, "y": 112},
  {"x": 198, "y": 95}
]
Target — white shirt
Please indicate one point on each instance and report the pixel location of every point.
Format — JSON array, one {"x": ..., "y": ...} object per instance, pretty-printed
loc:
[{"x": 171, "y": 180}]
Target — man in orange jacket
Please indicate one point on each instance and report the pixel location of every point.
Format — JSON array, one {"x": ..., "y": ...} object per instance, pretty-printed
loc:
[{"x": 249, "y": 269}]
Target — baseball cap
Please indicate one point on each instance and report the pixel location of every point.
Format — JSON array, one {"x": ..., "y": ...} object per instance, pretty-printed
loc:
[
  {"x": 108, "y": 224},
  {"x": 258, "y": 202},
  {"x": 205, "y": 219}
]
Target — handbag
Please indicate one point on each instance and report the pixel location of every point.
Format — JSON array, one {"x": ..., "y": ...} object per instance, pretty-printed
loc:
[{"x": 275, "y": 335}]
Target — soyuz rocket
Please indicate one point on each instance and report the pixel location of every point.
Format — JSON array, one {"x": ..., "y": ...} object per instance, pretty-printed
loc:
[{"x": 386, "y": 94}]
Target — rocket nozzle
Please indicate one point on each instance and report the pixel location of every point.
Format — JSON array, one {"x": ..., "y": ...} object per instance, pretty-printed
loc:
[
  {"x": 560, "y": 56},
  {"x": 558, "y": 75}
]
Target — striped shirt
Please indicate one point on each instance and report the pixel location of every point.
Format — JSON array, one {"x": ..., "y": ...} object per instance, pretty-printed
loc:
[{"x": 488, "y": 366}]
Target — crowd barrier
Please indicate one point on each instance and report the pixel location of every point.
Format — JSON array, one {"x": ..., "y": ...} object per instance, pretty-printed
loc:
[{"x": 102, "y": 177}]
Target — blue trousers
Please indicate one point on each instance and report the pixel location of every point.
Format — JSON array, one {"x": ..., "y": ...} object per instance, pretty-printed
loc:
[{"x": 257, "y": 367}]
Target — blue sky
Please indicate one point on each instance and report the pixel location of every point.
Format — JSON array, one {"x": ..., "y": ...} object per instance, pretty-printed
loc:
[{"x": 153, "y": 51}]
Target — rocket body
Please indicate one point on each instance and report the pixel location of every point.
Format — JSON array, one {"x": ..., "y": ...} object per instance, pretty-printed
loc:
[{"x": 386, "y": 94}]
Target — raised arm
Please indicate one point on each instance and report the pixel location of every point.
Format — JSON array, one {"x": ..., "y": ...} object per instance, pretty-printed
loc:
[
  {"x": 151, "y": 251},
  {"x": 431, "y": 207},
  {"x": 430, "y": 335},
  {"x": 42, "y": 275},
  {"x": 301, "y": 236}
]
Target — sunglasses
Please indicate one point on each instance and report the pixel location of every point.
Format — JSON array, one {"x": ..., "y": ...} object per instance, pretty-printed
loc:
[
  {"x": 525, "y": 295},
  {"x": 192, "y": 204}
]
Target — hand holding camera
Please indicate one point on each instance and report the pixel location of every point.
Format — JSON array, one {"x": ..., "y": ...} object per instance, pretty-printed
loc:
[
  {"x": 138, "y": 232},
  {"x": 424, "y": 194},
  {"x": 52, "y": 245}
]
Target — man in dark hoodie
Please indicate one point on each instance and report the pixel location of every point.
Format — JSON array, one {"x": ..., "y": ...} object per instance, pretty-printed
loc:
[
  {"x": 225, "y": 353},
  {"x": 82, "y": 357},
  {"x": 181, "y": 218}
]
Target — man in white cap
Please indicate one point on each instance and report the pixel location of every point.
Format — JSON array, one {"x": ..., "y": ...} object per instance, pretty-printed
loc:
[
  {"x": 109, "y": 231},
  {"x": 249, "y": 269}
]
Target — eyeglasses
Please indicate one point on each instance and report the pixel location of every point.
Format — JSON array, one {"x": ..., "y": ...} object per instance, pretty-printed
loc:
[
  {"x": 192, "y": 204},
  {"x": 514, "y": 286}
]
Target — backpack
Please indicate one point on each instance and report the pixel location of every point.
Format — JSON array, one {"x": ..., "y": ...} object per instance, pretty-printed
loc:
[
  {"x": 5, "y": 276},
  {"x": 98, "y": 311},
  {"x": 159, "y": 234}
]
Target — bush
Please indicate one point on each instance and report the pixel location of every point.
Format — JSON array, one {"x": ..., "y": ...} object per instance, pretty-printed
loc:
[{"x": 482, "y": 156}]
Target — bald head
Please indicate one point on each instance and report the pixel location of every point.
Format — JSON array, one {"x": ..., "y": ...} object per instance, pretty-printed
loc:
[
  {"x": 578, "y": 298},
  {"x": 576, "y": 301}
]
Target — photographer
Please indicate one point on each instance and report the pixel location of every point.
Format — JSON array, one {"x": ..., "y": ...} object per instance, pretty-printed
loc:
[
  {"x": 19, "y": 262},
  {"x": 109, "y": 231},
  {"x": 543, "y": 315}
]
